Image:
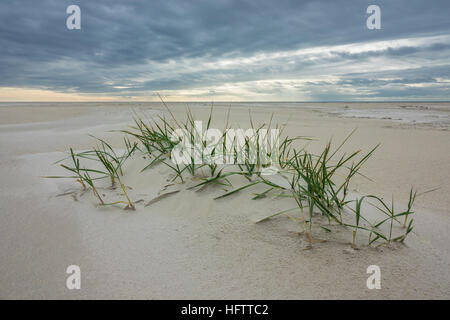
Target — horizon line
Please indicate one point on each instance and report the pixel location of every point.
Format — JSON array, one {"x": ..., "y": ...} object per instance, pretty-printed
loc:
[{"x": 226, "y": 101}]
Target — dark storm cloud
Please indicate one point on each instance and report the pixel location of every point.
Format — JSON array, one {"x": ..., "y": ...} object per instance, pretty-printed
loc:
[{"x": 128, "y": 47}]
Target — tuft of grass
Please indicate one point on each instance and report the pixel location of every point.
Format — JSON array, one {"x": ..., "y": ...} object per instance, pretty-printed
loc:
[
  {"x": 318, "y": 183},
  {"x": 81, "y": 175}
]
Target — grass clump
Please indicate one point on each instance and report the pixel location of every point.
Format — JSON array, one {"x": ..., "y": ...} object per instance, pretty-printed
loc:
[{"x": 319, "y": 183}]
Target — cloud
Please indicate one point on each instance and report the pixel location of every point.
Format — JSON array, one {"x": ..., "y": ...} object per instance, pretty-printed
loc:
[{"x": 244, "y": 50}]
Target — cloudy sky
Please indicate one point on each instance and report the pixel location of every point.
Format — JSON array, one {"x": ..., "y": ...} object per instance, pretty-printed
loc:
[{"x": 223, "y": 50}]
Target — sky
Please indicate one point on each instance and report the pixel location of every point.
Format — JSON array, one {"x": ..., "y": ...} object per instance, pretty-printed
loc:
[{"x": 223, "y": 50}]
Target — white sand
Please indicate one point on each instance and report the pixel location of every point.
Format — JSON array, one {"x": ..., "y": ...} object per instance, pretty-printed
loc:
[{"x": 191, "y": 246}]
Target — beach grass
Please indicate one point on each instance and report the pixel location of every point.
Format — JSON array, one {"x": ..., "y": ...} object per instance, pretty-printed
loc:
[{"x": 319, "y": 183}]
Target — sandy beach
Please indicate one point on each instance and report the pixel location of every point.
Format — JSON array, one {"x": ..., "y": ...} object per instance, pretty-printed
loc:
[{"x": 192, "y": 246}]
